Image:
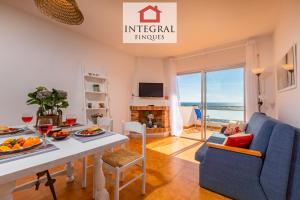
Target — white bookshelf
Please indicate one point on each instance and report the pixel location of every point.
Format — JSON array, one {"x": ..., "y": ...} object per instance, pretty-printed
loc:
[{"x": 96, "y": 100}]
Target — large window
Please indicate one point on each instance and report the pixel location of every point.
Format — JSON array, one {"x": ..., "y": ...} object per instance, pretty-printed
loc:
[
  {"x": 189, "y": 89},
  {"x": 224, "y": 93}
]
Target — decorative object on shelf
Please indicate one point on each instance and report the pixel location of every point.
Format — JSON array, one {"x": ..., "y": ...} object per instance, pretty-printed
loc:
[
  {"x": 50, "y": 103},
  {"x": 90, "y": 105},
  {"x": 101, "y": 105},
  {"x": 95, "y": 117},
  {"x": 258, "y": 70},
  {"x": 96, "y": 88},
  {"x": 64, "y": 11},
  {"x": 150, "y": 122},
  {"x": 286, "y": 70}
]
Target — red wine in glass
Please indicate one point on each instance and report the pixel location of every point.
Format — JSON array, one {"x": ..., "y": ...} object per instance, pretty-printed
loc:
[
  {"x": 26, "y": 118},
  {"x": 71, "y": 121},
  {"x": 44, "y": 127}
]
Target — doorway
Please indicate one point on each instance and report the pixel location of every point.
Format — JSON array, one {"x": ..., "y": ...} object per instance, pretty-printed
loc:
[{"x": 210, "y": 99}]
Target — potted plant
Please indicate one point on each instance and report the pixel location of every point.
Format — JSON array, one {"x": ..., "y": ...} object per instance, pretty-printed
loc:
[{"x": 50, "y": 102}]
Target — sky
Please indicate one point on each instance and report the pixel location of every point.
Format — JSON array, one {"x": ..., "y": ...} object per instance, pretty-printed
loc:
[{"x": 224, "y": 86}]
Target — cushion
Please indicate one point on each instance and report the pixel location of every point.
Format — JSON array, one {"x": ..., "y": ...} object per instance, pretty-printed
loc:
[
  {"x": 261, "y": 127},
  {"x": 120, "y": 157},
  {"x": 275, "y": 172},
  {"x": 239, "y": 140},
  {"x": 233, "y": 128},
  {"x": 294, "y": 181}
]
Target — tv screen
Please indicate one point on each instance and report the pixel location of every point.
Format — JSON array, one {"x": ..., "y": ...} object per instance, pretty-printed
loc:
[{"x": 151, "y": 90}]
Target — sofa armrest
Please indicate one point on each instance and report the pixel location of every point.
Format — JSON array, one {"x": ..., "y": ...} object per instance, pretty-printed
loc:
[{"x": 236, "y": 149}]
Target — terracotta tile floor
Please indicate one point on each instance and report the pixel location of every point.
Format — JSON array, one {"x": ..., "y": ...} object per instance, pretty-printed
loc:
[{"x": 172, "y": 173}]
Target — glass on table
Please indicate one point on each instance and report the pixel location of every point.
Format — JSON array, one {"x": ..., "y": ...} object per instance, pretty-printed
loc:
[
  {"x": 44, "y": 126},
  {"x": 27, "y": 118},
  {"x": 71, "y": 120}
]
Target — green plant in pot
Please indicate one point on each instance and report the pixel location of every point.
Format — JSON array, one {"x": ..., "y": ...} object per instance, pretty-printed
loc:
[{"x": 50, "y": 102}]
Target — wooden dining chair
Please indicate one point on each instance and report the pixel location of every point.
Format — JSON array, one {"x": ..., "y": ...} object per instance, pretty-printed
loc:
[
  {"x": 107, "y": 124},
  {"x": 120, "y": 160}
]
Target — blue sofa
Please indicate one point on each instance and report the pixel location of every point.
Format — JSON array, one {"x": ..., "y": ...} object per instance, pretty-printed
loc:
[{"x": 275, "y": 175}]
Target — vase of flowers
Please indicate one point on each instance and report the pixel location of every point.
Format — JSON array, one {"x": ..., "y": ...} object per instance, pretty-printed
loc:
[{"x": 50, "y": 102}]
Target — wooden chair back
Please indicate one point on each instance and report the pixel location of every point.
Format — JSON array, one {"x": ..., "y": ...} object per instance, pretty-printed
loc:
[{"x": 136, "y": 128}]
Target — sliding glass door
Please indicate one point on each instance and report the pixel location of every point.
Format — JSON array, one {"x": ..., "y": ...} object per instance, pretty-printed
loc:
[
  {"x": 209, "y": 99},
  {"x": 224, "y": 98}
]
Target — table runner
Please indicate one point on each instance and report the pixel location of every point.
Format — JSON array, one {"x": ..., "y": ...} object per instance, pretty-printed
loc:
[
  {"x": 32, "y": 152},
  {"x": 91, "y": 138}
]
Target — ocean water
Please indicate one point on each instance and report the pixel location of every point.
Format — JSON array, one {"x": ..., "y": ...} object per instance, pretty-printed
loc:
[{"x": 221, "y": 112}]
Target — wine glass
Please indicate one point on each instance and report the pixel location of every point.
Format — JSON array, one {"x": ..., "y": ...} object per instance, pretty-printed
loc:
[
  {"x": 44, "y": 127},
  {"x": 27, "y": 118},
  {"x": 71, "y": 120}
]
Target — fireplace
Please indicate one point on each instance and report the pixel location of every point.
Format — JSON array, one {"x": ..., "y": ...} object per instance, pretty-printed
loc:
[{"x": 155, "y": 117}]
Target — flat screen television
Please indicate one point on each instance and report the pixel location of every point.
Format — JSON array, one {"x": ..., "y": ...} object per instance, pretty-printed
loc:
[{"x": 151, "y": 89}]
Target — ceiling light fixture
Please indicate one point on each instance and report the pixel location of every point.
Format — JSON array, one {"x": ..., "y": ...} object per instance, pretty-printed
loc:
[{"x": 64, "y": 11}]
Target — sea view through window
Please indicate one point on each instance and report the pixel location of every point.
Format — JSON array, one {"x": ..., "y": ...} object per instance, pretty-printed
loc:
[{"x": 224, "y": 93}]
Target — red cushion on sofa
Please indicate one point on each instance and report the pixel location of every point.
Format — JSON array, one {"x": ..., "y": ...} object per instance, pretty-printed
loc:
[{"x": 239, "y": 140}]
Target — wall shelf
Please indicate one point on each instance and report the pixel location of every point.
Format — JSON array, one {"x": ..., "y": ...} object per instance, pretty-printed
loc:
[
  {"x": 95, "y": 93},
  {"x": 92, "y": 92},
  {"x": 95, "y": 77}
]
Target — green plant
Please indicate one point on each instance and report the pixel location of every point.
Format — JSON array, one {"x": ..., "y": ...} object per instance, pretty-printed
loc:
[{"x": 49, "y": 102}]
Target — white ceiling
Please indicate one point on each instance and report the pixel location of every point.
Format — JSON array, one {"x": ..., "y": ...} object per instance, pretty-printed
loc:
[{"x": 201, "y": 23}]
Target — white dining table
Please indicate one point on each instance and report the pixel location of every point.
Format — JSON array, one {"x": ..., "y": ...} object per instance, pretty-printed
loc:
[{"x": 68, "y": 150}]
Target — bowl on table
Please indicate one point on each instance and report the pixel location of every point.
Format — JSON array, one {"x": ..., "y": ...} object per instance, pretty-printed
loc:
[
  {"x": 60, "y": 135},
  {"x": 54, "y": 130}
]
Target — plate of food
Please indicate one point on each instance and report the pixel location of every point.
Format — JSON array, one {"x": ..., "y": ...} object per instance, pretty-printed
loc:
[
  {"x": 54, "y": 130},
  {"x": 92, "y": 131},
  {"x": 60, "y": 135},
  {"x": 16, "y": 145},
  {"x": 7, "y": 130}
]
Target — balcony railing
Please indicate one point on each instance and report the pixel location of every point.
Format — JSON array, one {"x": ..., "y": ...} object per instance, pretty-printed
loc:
[{"x": 216, "y": 112}]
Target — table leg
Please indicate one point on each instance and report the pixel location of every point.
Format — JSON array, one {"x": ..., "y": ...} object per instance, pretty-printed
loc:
[
  {"x": 84, "y": 172},
  {"x": 6, "y": 190},
  {"x": 100, "y": 193},
  {"x": 70, "y": 172}
]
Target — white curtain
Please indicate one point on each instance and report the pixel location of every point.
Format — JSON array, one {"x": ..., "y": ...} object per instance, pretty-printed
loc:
[
  {"x": 175, "y": 114},
  {"x": 250, "y": 79}
]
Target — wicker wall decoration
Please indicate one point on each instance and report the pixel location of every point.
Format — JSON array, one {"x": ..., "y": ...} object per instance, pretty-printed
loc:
[{"x": 64, "y": 11}]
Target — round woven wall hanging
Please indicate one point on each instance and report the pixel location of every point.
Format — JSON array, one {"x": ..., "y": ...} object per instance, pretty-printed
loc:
[{"x": 64, "y": 11}]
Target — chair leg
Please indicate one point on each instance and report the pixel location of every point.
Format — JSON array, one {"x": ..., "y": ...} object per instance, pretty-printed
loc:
[
  {"x": 121, "y": 176},
  {"x": 117, "y": 183},
  {"x": 144, "y": 177},
  {"x": 84, "y": 172}
]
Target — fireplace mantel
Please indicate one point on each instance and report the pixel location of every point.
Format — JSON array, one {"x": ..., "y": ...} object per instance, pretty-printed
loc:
[
  {"x": 149, "y": 108},
  {"x": 161, "y": 115}
]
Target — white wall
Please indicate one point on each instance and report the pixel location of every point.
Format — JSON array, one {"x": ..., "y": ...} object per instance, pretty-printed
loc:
[
  {"x": 268, "y": 91},
  {"x": 34, "y": 52},
  {"x": 287, "y": 33},
  {"x": 149, "y": 70}
]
